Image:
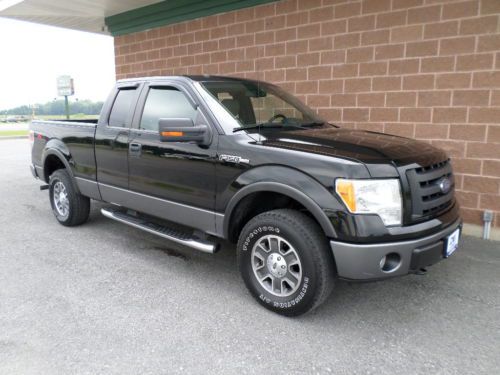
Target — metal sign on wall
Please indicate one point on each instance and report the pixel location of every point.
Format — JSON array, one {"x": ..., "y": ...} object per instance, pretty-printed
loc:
[{"x": 65, "y": 86}]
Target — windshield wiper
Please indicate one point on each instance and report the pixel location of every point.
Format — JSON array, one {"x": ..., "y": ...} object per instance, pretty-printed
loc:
[
  {"x": 313, "y": 123},
  {"x": 266, "y": 125},
  {"x": 318, "y": 123}
]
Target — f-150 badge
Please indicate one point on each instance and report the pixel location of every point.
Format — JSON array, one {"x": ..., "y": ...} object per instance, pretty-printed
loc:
[{"x": 233, "y": 159}]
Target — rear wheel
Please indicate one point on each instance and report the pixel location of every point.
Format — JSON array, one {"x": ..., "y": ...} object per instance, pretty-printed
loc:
[
  {"x": 69, "y": 207},
  {"x": 284, "y": 259}
]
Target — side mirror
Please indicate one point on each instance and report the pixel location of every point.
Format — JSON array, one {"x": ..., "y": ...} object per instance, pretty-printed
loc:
[{"x": 183, "y": 130}]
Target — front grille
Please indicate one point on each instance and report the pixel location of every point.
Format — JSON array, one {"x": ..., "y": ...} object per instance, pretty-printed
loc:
[{"x": 427, "y": 196}]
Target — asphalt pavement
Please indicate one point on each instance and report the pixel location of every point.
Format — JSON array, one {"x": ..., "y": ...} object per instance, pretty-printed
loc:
[{"x": 107, "y": 299}]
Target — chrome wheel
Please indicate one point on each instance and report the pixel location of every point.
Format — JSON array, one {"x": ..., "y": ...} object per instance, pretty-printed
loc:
[
  {"x": 276, "y": 265},
  {"x": 60, "y": 197}
]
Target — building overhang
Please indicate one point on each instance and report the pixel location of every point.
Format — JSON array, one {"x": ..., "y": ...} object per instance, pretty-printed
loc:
[{"x": 116, "y": 17}]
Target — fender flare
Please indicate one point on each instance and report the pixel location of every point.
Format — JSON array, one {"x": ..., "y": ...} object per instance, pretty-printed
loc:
[
  {"x": 64, "y": 159},
  {"x": 277, "y": 187}
]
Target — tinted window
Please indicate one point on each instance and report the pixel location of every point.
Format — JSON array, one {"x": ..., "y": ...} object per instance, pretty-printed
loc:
[
  {"x": 165, "y": 102},
  {"x": 121, "y": 108},
  {"x": 252, "y": 103}
]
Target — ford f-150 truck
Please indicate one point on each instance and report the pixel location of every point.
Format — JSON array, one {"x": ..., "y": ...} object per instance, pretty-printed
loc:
[{"x": 199, "y": 160}]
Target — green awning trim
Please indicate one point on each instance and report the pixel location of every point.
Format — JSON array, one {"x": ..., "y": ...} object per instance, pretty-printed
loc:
[{"x": 172, "y": 11}]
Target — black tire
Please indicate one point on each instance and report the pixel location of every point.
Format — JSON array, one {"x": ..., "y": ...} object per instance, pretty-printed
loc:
[
  {"x": 78, "y": 206},
  {"x": 316, "y": 262}
]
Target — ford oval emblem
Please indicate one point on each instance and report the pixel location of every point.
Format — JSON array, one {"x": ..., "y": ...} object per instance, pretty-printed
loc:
[{"x": 444, "y": 185}]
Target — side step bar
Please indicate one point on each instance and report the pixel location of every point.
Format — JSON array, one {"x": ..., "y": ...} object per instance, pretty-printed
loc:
[{"x": 173, "y": 235}]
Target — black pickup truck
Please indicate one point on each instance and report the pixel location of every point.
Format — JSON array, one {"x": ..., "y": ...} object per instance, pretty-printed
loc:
[{"x": 203, "y": 159}]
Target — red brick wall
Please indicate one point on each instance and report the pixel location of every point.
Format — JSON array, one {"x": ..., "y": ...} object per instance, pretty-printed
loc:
[{"x": 420, "y": 68}]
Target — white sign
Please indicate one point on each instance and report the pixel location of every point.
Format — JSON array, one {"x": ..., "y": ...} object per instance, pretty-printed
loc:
[{"x": 65, "y": 86}]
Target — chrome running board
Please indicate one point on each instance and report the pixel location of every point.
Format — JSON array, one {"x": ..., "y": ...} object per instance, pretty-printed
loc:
[{"x": 171, "y": 234}]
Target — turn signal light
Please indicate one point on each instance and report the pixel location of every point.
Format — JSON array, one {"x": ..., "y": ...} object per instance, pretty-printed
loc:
[
  {"x": 172, "y": 134},
  {"x": 346, "y": 191}
]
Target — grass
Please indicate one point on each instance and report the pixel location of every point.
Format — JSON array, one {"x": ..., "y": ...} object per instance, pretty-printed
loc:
[{"x": 13, "y": 133}]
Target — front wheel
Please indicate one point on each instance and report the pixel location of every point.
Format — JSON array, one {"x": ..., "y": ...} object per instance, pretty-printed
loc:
[
  {"x": 69, "y": 207},
  {"x": 285, "y": 262}
]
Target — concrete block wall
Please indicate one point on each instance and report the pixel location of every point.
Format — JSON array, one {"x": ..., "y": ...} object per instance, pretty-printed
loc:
[{"x": 427, "y": 69}]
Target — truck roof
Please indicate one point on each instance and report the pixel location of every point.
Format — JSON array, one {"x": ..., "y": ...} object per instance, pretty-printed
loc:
[{"x": 198, "y": 78}]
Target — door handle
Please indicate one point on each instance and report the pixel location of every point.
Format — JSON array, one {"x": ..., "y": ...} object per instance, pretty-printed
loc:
[
  {"x": 135, "y": 149},
  {"x": 135, "y": 146},
  {"x": 120, "y": 138}
]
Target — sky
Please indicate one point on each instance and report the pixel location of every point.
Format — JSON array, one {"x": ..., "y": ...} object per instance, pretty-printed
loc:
[{"x": 33, "y": 55}]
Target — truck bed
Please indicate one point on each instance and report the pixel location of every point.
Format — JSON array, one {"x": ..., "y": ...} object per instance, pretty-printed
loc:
[{"x": 70, "y": 137}]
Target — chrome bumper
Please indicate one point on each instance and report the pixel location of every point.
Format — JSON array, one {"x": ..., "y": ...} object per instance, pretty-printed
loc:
[{"x": 363, "y": 261}]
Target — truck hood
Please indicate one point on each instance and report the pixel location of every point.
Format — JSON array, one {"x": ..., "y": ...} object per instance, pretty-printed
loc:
[{"x": 357, "y": 145}]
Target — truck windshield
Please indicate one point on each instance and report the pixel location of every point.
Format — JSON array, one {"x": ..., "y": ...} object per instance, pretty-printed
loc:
[{"x": 255, "y": 104}]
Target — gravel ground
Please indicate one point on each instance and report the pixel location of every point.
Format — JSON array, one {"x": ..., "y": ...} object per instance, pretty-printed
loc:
[{"x": 107, "y": 299}]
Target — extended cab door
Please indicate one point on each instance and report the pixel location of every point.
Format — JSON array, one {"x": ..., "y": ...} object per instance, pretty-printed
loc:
[
  {"x": 177, "y": 177},
  {"x": 112, "y": 137}
]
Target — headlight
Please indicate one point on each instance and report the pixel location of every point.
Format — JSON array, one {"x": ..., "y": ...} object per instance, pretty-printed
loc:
[{"x": 381, "y": 197}]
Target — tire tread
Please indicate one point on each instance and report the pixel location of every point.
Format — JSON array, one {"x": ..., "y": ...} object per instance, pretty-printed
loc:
[{"x": 308, "y": 229}]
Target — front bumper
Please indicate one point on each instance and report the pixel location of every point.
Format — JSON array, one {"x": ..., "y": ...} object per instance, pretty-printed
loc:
[{"x": 362, "y": 261}]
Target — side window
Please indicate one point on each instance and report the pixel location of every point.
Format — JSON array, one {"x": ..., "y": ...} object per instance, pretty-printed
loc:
[
  {"x": 165, "y": 102},
  {"x": 121, "y": 108}
]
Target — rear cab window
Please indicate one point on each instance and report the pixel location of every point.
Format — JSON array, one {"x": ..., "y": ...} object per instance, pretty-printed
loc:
[{"x": 122, "y": 106}]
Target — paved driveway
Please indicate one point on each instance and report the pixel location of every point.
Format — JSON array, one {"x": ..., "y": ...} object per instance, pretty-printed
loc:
[{"x": 107, "y": 299}]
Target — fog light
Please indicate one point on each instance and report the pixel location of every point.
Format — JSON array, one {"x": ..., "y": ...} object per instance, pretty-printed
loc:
[{"x": 390, "y": 262}]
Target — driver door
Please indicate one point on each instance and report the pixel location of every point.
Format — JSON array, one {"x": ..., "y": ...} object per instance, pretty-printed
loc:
[{"x": 175, "y": 179}]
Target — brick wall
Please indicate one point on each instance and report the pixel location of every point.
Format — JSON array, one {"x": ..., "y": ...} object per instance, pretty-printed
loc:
[{"x": 420, "y": 68}]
